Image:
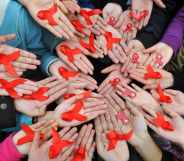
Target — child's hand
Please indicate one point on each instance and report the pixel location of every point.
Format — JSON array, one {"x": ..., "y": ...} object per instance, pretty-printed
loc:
[
  {"x": 138, "y": 74},
  {"x": 103, "y": 125},
  {"x": 83, "y": 110},
  {"x": 71, "y": 6},
  {"x": 85, "y": 144},
  {"x": 160, "y": 55},
  {"x": 37, "y": 108},
  {"x": 5, "y": 38},
  {"x": 111, "y": 13},
  {"x": 25, "y": 60}
]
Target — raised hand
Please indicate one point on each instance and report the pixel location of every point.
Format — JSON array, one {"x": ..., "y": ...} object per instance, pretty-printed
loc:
[
  {"x": 137, "y": 96},
  {"x": 160, "y": 55},
  {"x": 56, "y": 88},
  {"x": 79, "y": 109},
  {"x": 13, "y": 60},
  {"x": 76, "y": 80},
  {"x": 85, "y": 145},
  {"x": 73, "y": 56},
  {"x": 103, "y": 125},
  {"x": 151, "y": 77},
  {"x": 51, "y": 15}
]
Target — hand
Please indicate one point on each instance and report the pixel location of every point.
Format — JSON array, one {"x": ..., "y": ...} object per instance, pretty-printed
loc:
[
  {"x": 139, "y": 6},
  {"x": 37, "y": 108},
  {"x": 61, "y": 26},
  {"x": 5, "y": 38},
  {"x": 25, "y": 61},
  {"x": 178, "y": 125},
  {"x": 111, "y": 13},
  {"x": 106, "y": 86},
  {"x": 71, "y": 6},
  {"x": 93, "y": 107},
  {"x": 159, "y": 3},
  {"x": 177, "y": 104},
  {"x": 103, "y": 124},
  {"x": 77, "y": 61},
  {"x": 42, "y": 126},
  {"x": 79, "y": 81},
  {"x": 40, "y": 150},
  {"x": 160, "y": 55},
  {"x": 85, "y": 141},
  {"x": 165, "y": 81},
  {"x": 137, "y": 96}
]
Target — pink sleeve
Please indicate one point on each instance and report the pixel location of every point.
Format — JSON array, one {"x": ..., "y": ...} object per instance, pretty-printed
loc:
[{"x": 8, "y": 151}]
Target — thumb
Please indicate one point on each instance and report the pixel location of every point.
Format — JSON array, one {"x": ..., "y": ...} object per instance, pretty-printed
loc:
[
  {"x": 36, "y": 141},
  {"x": 160, "y": 3}
]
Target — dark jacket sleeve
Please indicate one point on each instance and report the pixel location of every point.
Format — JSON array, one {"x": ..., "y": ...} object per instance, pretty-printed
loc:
[
  {"x": 7, "y": 112},
  {"x": 160, "y": 18},
  {"x": 178, "y": 81}
]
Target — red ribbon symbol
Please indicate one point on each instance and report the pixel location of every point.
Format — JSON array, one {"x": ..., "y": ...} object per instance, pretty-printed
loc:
[
  {"x": 151, "y": 74},
  {"x": 128, "y": 93},
  {"x": 70, "y": 53},
  {"x": 9, "y": 86},
  {"x": 123, "y": 117},
  {"x": 80, "y": 154},
  {"x": 38, "y": 95},
  {"x": 67, "y": 74},
  {"x": 91, "y": 45},
  {"x": 135, "y": 58},
  {"x": 139, "y": 16},
  {"x": 79, "y": 27},
  {"x": 113, "y": 138},
  {"x": 74, "y": 114},
  {"x": 160, "y": 121},
  {"x": 112, "y": 20},
  {"x": 110, "y": 40},
  {"x": 68, "y": 95},
  {"x": 129, "y": 28},
  {"x": 158, "y": 60},
  {"x": 29, "y": 135},
  {"x": 48, "y": 15},
  {"x": 58, "y": 144},
  {"x": 163, "y": 98},
  {"x": 7, "y": 61},
  {"x": 115, "y": 82},
  {"x": 87, "y": 15}
]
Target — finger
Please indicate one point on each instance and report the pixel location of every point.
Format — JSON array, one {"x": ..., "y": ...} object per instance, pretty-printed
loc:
[
  {"x": 110, "y": 69},
  {"x": 87, "y": 135},
  {"x": 81, "y": 135},
  {"x": 89, "y": 142},
  {"x": 64, "y": 131},
  {"x": 24, "y": 66},
  {"x": 27, "y": 60},
  {"x": 109, "y": 122},
  {"x": 70, "y": 133},
  {"x": 8, "y": 37}
]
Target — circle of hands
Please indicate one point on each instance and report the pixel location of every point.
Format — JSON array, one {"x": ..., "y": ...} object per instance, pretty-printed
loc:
[{"x": 121, "y": 110}]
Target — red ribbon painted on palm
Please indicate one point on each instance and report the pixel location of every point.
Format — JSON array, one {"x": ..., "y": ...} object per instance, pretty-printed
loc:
[
  {"x": 129, "y": 28},
  {"x": 48, "y": 15},
  {"x": 115, "y": 82},
  {"x": 111, "y": 40},
  {"x": 151, "y": 74},
  {"x": 7, "y": 61},
  {"x": 135, "y": 58},
  {"x": 67, "y": 74},
  {"x": 9, "y": 86},
  {"x": 67, "y": 96},
  {"x": 90, "y": 45},
  {"x": 88, "y": 14},
  {"x": 39, "y": 95},
  {"x": 113, "y": 137},
  {"x": 139, "y": 16},
  {"x": 70, "y": 53},
  {"x": 162, "y": 97},
  {"x": 57, "y": 144},
  {"x": 84, "y": 95},
  {"x": 29, "y": 135},
  {"x": 78, "y": 26},
  {"x": 112, "y": 21},
  {"x": 80, "y": 154},
  {"x": 161, "y": 122},
  {"x": 74, "y": 114}
]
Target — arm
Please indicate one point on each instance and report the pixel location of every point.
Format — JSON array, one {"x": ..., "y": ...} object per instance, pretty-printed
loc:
[
  {"x": 7, "y": 112},
  {"x": 175, "y": 32}
]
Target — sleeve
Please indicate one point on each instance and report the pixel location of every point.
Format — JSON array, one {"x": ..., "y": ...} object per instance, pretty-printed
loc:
[
  {"x": 85, "y": 4},
  {"x": 159, "y": 20},
  {"x": 7, "y": 112},
  {"x": 9, "y": 151},
  {"x": 178, "y": 81},
  {"x": 31, "y": 34},
  {"x": 175, "y": 32}
]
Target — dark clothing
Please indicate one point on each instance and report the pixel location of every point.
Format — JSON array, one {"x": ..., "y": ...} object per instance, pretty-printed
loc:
[
  {"x": 7, "y": 112},
  {"x": 178, "y": 81}
]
